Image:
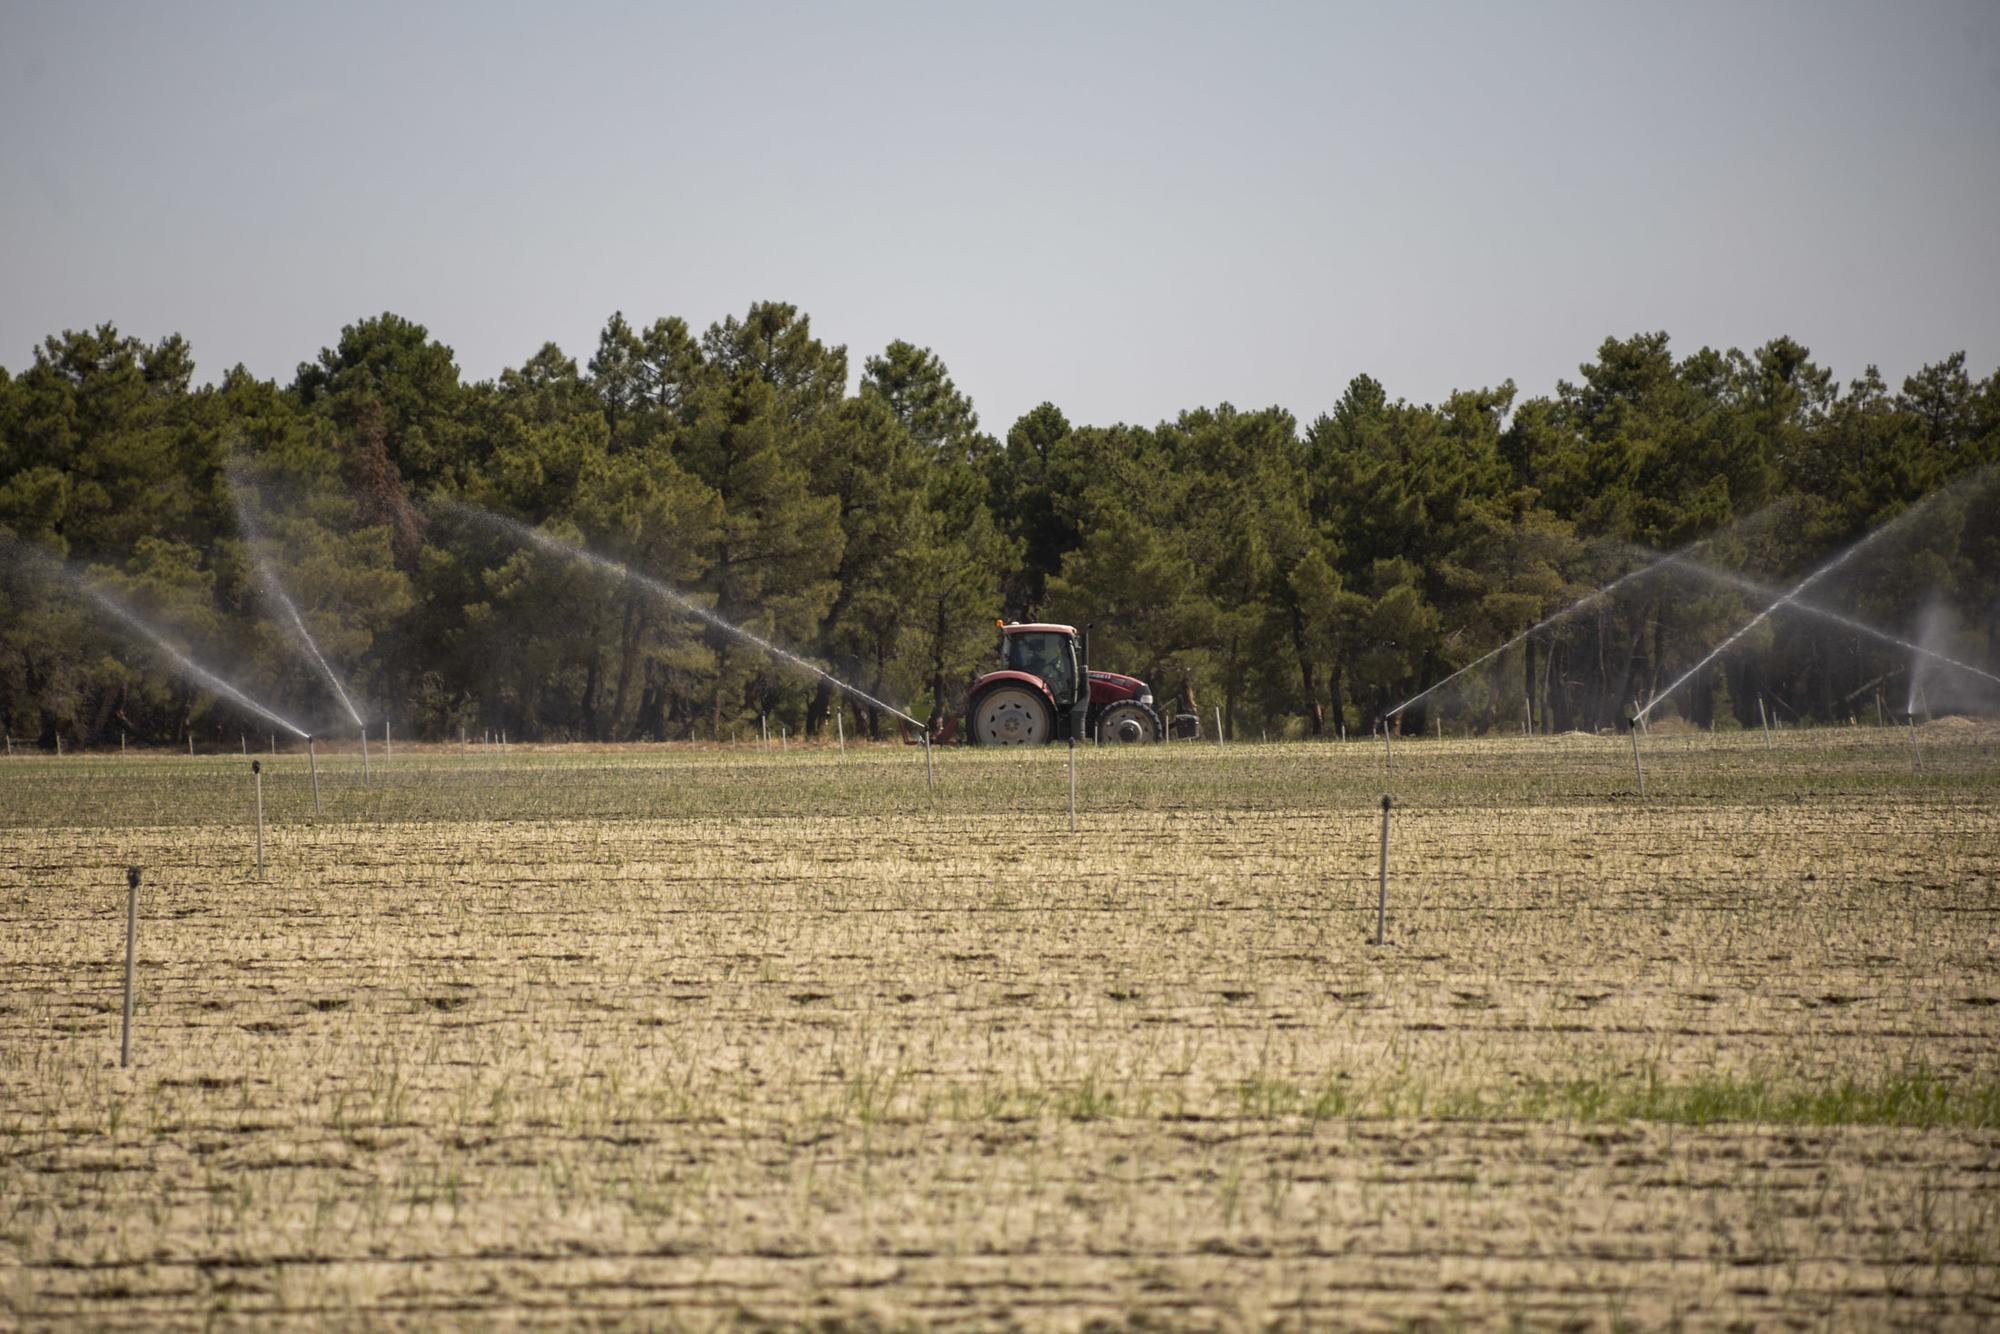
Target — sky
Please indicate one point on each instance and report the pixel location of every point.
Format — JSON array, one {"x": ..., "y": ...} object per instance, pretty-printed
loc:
[{"x": 1126, "y": 209}]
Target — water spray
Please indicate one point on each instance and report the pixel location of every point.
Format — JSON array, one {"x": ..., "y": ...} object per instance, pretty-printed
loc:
[
  {"x": 666, "y": 593},
  {"x": 194, "y": 669},
  {"x": 269, "y": 578},
  {"x": 1546, "y": 621},
  {"x": 1757, "y": 588},
  {"x": 1867, "y": 539}
]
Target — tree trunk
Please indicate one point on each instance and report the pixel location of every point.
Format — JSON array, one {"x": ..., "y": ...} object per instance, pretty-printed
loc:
[
  {"x": 817, "y": 710},
  {"x": 937, "y": 663},
  {"x": 1313, "y": 712},
  {"x": 591, "y": 682},
  {"x": 715, "y": 693},
  {"x": 631, "y": 632},
  {"x": 1528, "y": 682}
]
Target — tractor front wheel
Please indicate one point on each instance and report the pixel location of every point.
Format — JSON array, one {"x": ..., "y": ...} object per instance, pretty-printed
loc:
[
  {"x": 1128, "y": 722},
  {"x": 1009, "y": 716}
]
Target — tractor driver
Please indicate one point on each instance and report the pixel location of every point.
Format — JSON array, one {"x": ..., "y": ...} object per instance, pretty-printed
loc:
[{"x": 1047, "y": 657}]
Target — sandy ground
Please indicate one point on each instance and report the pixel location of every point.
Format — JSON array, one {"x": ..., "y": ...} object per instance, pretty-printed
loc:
[{"x": 957, "y": 1069}]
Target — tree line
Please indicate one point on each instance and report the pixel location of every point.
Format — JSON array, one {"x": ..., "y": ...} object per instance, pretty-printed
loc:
[{"x": 1304, "y": 580}]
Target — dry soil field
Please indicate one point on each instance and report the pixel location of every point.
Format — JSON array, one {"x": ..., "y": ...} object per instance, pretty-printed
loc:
[{"x": 722, "y": 1038}]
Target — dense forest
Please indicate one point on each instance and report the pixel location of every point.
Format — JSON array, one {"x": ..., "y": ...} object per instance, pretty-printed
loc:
[{"x": 1305, "y": 581}]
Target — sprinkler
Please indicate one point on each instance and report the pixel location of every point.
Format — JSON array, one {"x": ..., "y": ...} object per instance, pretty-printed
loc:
[{"x": 312, "y": 763}]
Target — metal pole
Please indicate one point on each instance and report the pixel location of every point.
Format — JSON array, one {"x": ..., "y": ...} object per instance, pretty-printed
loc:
[
  {"x": 312, "y": 763},
  {"x": 1218, "y": 724},
  {"x": 257, "y": 774},
  {"x": 764, "y": 729},
  {"x": 1072, "y": 783},
  {"x": 190, "y": 745},
  {"x": 388, "y": 741},
  {"x": 1382, "y": 881},
  {"x": 1528, "y": 712},
  {"x": 1916, "y": 747},
  {"x": 1388, "y": 751},
  {"x": 244, "y": 738},
  {"x": 930, "y": 769},
  {"x": 1765, "y": 719},
  {"x": 364, "y": 753},
  {"x": 1637, "y": 767},
  {"x": 121, "y": 745},
  {"x": 131, "y": 953},
  {"x": 840, "y": 728}
]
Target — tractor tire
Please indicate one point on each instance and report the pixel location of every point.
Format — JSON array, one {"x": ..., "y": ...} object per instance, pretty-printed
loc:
[
  {"x": 1009, "y": 716},
  {"x": 1128, "y": 722}
]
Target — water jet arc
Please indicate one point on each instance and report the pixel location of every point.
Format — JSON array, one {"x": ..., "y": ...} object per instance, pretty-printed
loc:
[
  {"x": 1716, "y": 574},
  {"x": 618, "y": 570},
  {"x": 131, "y": 620},
  {"x": 1866, "y": 540},
  {"x": 1574, "y": 607},
  {"x": 268, "y": 576}
]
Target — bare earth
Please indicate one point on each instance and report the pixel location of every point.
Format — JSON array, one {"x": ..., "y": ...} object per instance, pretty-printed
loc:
[{"x": 721, "y": 1039}]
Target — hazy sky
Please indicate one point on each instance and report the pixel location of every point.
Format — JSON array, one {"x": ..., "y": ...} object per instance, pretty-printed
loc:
[{"x": 1127, "y": 209}]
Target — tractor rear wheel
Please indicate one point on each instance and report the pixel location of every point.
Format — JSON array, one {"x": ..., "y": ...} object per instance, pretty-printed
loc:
[
  {"x": 1128, "y": 722},
  {"x": 1009, "y": 716}
]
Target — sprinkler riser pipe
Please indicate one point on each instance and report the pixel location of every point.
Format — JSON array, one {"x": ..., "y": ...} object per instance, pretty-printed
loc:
[
  {"x": 257, "y": 774},
  {"x": 131, "y": 957},
  {"x": 1382, "y": 879},
  {"x": 312, "y": 763},
  {"x": 1072, "y": 785}
]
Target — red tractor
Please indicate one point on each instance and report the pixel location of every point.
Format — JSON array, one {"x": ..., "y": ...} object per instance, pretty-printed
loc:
[{"x": 1034, "y": 698}]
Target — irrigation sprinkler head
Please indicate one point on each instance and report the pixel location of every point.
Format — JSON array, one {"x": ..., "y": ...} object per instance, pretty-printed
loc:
[
  {"x": 1386, "y": 802},
  {"x": 256, "y": 766},
  {"x": 132, "y": 877}
]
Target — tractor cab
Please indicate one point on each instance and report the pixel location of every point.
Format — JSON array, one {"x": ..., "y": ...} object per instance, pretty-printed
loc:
[{"x": 1046, "y": 651}]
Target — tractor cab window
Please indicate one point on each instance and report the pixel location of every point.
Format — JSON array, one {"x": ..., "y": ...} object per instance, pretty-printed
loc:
[{"x": 1049, "y": 656}]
